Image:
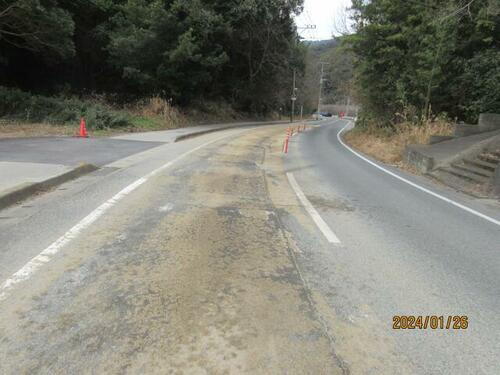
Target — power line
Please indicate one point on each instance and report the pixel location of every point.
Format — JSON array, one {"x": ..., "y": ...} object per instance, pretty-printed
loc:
[
  {"x": 306, "y": 28},
  {"x": 311, "y": 32}
]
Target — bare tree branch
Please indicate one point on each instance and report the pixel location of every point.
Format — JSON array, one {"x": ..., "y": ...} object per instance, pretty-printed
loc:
[{"x": 9, "y": 9}]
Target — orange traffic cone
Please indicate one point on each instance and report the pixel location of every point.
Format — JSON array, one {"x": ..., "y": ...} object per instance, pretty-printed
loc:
[{"x": 83, "y": 129}]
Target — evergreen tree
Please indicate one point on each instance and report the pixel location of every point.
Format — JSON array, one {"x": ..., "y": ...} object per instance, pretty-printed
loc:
[{"x": 414, "y": 57}]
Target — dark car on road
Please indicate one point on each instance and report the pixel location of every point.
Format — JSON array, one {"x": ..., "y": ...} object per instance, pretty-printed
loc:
[{"x": 322, "y": 114}]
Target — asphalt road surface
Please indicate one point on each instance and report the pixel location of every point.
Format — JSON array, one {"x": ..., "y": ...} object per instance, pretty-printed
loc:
[
  {"x": 220, "y": 255},
  {"x": 69, "y": 150}
]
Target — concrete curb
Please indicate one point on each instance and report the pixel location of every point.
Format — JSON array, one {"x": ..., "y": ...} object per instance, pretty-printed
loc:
[
  {"x": 203, "y": 132},
  {"x": 19, "y": 194}
]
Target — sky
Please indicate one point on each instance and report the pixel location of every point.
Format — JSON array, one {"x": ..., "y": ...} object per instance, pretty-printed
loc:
[{"x": 320, "y": 13}]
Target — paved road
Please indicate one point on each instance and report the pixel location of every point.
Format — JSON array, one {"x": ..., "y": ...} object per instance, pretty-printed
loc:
[
  {"x": 37, "y": 159},
  {"x": 69, "y": 150},
  {"x": 201, "y": 257},
  {"x": 403, "y": 252}
]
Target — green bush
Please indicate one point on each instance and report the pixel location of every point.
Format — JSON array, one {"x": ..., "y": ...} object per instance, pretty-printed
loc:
[
  {"x": 482, "y": 78},
  {"x": 12, "y": 101},
  {"x": 19, "y": 105}
]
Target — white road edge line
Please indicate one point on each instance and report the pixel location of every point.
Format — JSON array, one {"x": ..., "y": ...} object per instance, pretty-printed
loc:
[
  {"x": 46, "y": 255},
  {"x": 436, "y": 195},
  {"x": 318, "y": 220}
]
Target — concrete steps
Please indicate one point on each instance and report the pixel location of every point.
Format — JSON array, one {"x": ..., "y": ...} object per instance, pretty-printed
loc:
[
  {"x": 473, "y": 169},
  {"x": 429, "y": 157},
  {"x": 482, "y": 164},
  {"x": 473, "y": 176},
  {"x": 465, "y": 174}
]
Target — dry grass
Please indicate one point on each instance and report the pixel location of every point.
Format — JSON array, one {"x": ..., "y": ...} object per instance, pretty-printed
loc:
[
  {"x": 157, "y": 107},
  {"x": 13, "y": 129},
  {"x": 199, "y": 112},
  {"x": 154, "y": 113},
  {"x": 388, "y": 146},
  {"x": 21, "y": 129},
  {"x": 206, "y": 112}
]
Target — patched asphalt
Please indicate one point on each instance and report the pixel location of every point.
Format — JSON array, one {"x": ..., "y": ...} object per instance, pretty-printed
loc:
[{"x": 207, "y": 285}]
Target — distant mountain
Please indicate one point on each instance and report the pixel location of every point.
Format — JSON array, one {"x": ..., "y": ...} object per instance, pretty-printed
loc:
[
  {"x": 325, "y": 42},
  {"x": 318, "y": 47}
]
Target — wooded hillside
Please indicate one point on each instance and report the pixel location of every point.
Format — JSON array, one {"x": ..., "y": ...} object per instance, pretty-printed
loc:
[
  {"x": 418, "y": 58},
  {"x": 238, "y": 51}
]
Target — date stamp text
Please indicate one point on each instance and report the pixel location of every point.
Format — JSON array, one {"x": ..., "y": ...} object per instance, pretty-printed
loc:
[{"x": 430, "y": 322}]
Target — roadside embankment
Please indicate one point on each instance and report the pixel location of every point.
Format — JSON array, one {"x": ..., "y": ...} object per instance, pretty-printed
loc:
[{"x": 23, "y": 114}]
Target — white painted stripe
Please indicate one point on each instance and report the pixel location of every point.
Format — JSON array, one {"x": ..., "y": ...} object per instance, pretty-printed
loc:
[
  {"x": 46, "y": 255},
  {"x": 436, "y": 195},
  {"x": 166, "y": 208},
  {"x": 318, "y": 220}
]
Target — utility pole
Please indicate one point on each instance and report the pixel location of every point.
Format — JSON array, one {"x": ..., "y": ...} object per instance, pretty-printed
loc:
[
  {"x": 294, "y": 93},
  {"x": 294, "y": 96},
  {"x": 320, "y": 87}
]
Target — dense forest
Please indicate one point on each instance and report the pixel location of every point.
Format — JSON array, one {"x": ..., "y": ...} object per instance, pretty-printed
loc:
[
  {"x": 417, "y": 59},
  {"x": 403, "y": 60},
  {"x": 240, "y": 52}
]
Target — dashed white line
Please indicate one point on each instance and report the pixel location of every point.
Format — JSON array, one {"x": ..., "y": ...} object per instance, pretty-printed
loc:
[
  {"x": 46, "y": 255},
  {"x": 436, "y": 195},
  {"x": 318, "y": 220}
]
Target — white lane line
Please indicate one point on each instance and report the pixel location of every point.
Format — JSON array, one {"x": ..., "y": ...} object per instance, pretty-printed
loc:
[
  {"x": 166, "y": 208},
  {"x": 46, "y": 255},
  {"x": 436, "y": 195},
  {"x": 318, "y": 220}
]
